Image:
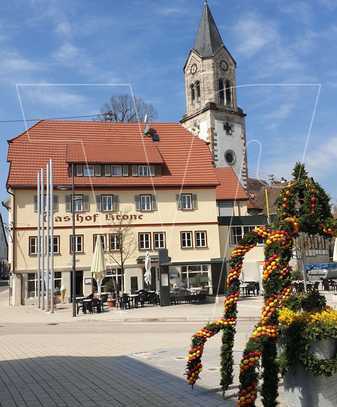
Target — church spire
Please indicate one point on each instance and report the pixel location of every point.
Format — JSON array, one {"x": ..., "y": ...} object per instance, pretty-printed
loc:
[{"x": 208, "y": 39}]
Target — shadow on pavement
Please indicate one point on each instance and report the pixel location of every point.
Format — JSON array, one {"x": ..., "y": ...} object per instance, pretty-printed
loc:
[{"x": 96, "y": 382}]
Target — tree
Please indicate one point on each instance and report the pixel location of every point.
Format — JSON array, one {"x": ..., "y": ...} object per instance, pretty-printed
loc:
[
  {"x": 126, "y": 109},
  {"x": 123, "y": 242}
]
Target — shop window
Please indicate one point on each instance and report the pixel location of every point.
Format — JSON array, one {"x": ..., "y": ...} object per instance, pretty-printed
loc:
[
  {"x": 77, "y": 242},
  {"x": 187, "y": 202},
  {"x": 33, "y": 249},
  {"x": 196, "y": 276},
  {"x": 159, "y": 240},
  {"x": 201, "y": 239},
  {"x": 144, "y": 241},
  {"x": 186, "y": 239}
]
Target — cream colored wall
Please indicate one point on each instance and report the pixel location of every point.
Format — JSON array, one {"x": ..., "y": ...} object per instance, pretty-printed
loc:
[{"x": 167, "y": 219}]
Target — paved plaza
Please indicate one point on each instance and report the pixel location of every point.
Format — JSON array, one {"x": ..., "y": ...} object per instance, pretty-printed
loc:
[{"x": 129, "y": 358}]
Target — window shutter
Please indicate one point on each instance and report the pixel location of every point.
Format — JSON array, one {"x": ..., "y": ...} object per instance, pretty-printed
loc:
[
  {"x": 137, "y": 201},
  {"x": 195, "y": 201},
  {"x": 35, "y": 203},
  {"x": 68, "y": 203},
  {"x": 154, "y": 203},
  {"x": 135, "y": 170},
  {"x": 55, "y": 203},
  {"x": 86, "y": 203},
  {"x": 178, "y": 201},
  {"x": 115, "y": 199},
  {"x": 125, "y": 170},
  {"x": 99, "y": 203}
]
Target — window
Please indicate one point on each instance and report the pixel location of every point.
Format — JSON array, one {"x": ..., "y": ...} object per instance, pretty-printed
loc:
[
  {"x": 116, "y": 171},
  {"x": 78, "y": 242},
  {"x": 107, "y": 203},
  {"x": 197, "y": 86},
  {"x": 146, "y": 203},
  {"x": 55, "y": 203},
  {"x": 33, "y": 249},
  {"x": 226, "y": 208},
  {"x": 201, "y": 239},
  {"x": 186, "y": 240},
  {"x": 88, "y": 171},
  {"x": 114, "y": 242},
  {"x": 107, "y": 170},
  {"x": 98, "y": 170},
  {"x": 221, "y": 92},
  {"x": 81, "y": 203},
  {"x": 237, "y": 233},
  {"x": 56, "y": 245},
  {"x": 115, "y": 276},
  {"x": 196, "y": 276},
  {"x": 159, "y": 240},
  {"x": 57, "y": 280},
  {"x": 143, "y": 171},
  {"x": 228, "y": 93},
  {"x": 32, "y": 285},
  {"x": 79, "y": 170},
  {"x": 103, "y": 241},
  {"x": 187, "y": 202},
  {"x": 144, "y": 241},
  {"x": 192, "y": 93}
]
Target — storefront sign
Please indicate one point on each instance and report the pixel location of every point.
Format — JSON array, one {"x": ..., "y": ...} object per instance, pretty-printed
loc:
[{"x": 97, "y": 217}]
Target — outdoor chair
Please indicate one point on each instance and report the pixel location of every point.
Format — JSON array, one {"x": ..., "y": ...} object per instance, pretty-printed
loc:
[
  {"x": 316, "y": 285},
  {"x": 124, "y": 302},
  {"x": 251, "y": 288}
]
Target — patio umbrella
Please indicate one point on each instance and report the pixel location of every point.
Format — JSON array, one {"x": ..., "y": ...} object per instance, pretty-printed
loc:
[
  {"x": 98, "y": 264},
  {"x": 147, "y": 275},
  {"x": 335, "y": 251}
]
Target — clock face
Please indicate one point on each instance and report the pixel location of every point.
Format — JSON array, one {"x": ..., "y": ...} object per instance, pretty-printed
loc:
[
  {"x": 194, "y": 69},
  {"x": 224, "y": 65}
]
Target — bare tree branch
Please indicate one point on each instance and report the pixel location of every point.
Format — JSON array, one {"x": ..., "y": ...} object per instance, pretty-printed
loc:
[{"x": 125, "y": 109}]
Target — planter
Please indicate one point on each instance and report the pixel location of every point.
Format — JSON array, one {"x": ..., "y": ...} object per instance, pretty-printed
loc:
[
  {"x": 111, "y": 303},
  {"x": 302, "y": 389}
]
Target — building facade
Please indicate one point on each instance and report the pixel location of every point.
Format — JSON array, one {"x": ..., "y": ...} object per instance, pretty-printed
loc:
[
  {"x": 132, "y": 189},
  {"x": 212, "y": 110}
]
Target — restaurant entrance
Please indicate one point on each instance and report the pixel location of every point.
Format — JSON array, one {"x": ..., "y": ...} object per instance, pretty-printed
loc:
[{"x": 79, "y": 283}]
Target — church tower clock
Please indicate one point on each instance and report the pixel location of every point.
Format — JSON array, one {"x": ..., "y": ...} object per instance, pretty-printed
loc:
[{"x": 211, "y": 98}]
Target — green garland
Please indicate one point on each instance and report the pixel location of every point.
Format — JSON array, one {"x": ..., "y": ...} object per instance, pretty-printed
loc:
[{"x": 303, "y": 206}]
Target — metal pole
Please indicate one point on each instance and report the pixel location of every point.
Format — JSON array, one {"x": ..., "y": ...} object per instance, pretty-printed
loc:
[
  {"x": 51, "y": 189},
  {"x": 73, "y": 239},
  {"x": 48, "y": 236},
  {"x": 42, "y": 240},
  {"x": 38, "y": 241}
]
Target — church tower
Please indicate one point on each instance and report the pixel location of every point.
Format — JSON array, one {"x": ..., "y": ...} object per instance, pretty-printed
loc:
[{"x": 211, "y": 98}]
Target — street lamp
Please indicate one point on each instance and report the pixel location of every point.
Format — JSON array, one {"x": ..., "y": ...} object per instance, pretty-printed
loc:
[{"x": 72, "y": 241}]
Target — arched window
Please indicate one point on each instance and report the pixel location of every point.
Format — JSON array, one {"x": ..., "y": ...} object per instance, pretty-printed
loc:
[
  {"x": 192, "y": 92},
  {"x": 197, "y": 86},
  {"x": 221, "y": 92},
  {"x": 228, "y": 93}
]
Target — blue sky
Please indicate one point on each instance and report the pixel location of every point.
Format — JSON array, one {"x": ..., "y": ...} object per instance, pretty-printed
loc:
[{"x": 286, "y": 53}]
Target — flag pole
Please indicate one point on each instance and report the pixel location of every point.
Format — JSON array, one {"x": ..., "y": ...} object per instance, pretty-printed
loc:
[
  {"x": 51, "y": 190},
  {"x": 48, "y": 236},
  {"x": 38, "y": 241},
  {"x": 42, "y": 208}
]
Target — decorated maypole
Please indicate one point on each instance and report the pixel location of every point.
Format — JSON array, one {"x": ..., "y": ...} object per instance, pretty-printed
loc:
[{"x": 303, "y": 206}]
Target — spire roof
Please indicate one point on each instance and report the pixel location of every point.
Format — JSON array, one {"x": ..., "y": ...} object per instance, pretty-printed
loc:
[{"x": 208, "y": 39}]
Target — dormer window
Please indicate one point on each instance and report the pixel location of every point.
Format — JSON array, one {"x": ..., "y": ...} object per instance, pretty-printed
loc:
[
  {"x": 88, "y": 171},
  {"x": 115, "y": 170}
]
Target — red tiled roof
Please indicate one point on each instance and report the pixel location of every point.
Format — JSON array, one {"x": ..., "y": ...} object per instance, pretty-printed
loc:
[
  {"x": 187, "y": 158},
  {"x": 230, "y": 187},
  {"x": 113, "y": 153}
]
